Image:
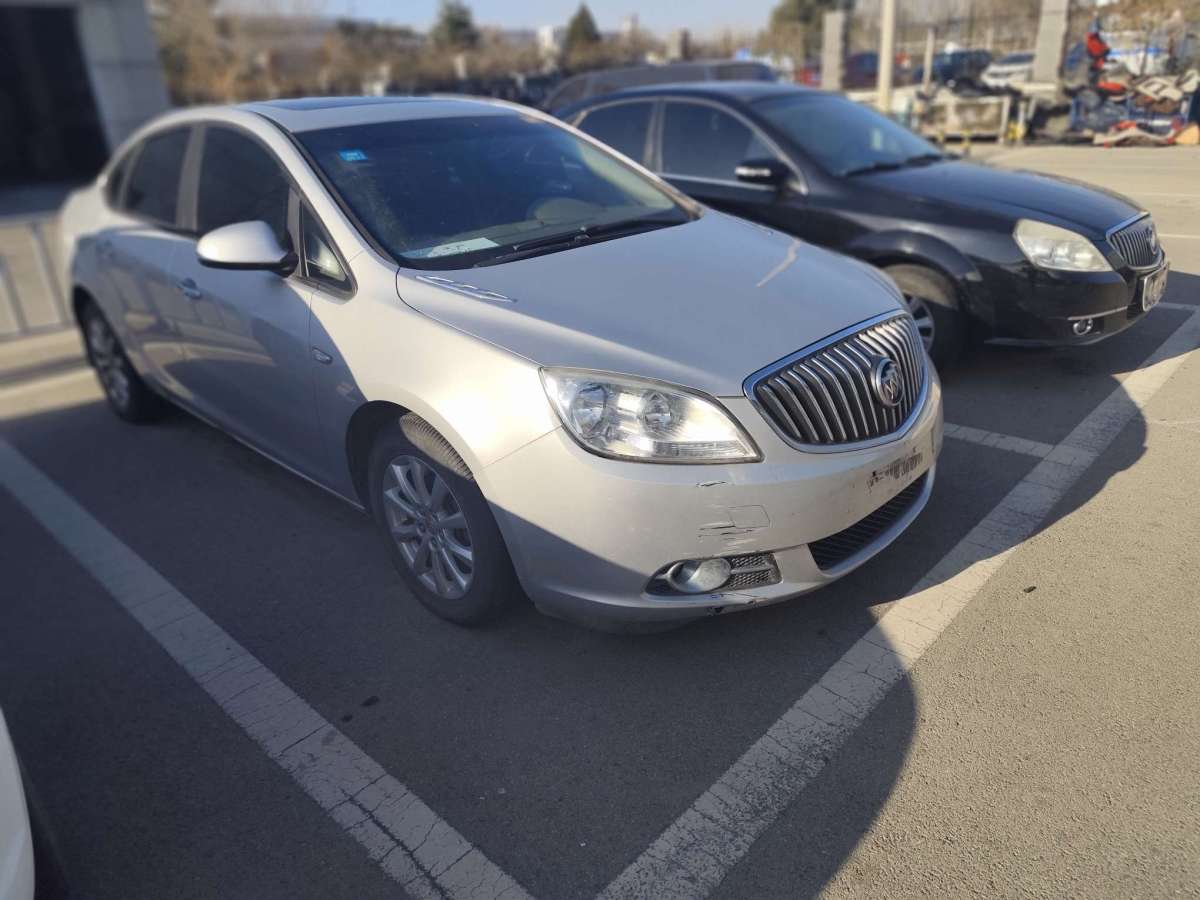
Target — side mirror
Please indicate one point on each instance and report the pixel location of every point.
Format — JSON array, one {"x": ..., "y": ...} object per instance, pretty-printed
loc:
[
  {"x": 246, "y": 246},
  {"x": 763, "y": 171}
]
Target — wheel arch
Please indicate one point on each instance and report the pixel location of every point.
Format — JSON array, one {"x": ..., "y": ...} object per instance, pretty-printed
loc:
[
  {"x": 80, "y": 298},
  {"x": 361, "y": 430},
  {"x": 889, "y": 248}
]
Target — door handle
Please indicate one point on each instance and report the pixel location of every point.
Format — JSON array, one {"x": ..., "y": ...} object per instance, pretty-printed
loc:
[
  {"x": 189, "y": 289},
  {"x": 321, "y": 356}
]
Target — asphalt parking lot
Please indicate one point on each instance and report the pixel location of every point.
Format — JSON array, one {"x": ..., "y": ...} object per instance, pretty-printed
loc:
[{"x": 220, "y": 689}]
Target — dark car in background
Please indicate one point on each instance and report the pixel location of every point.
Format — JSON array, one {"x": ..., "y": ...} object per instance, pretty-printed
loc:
[
  {"x": 1011, "y": 257},
  {"x": 579, "y": 88},
  {"x": 954, "y": 67},
  {"x": 861, "y": 71}
]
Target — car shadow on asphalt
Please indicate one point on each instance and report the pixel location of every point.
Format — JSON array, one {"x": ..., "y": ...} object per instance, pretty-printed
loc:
[{"x": 599, "y": 740}]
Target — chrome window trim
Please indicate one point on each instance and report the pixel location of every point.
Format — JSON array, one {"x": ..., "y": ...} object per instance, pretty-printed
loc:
[{"x": 905, "y": 427}]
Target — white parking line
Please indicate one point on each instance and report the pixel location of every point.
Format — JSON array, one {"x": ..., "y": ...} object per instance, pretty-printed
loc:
[
  {"x": 1186, "y": 237},
  {"x": 694, "y": 854},
  {"x": 400, "y": 833},
  {"x": 999, "y": 441}
]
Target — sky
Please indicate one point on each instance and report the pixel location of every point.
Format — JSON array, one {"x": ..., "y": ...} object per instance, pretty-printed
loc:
[{"x": 702, "y": 17}]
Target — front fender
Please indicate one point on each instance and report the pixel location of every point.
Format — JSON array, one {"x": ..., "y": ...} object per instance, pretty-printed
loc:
[
  {"x": 881, "y": 248},
  {"x": 484, "y": 400}
]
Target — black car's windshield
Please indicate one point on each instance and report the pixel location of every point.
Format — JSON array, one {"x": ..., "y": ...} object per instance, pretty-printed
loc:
[
  {"x": 456, "y": 192},
  {"x": 845, "y": 137}
]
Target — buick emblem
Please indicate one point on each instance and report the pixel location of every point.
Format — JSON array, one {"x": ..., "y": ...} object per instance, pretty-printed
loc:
[{"x": 887, "y": 381}]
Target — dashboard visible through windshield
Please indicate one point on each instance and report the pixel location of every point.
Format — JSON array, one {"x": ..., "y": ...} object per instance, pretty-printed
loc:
[{"x": 455, "y": 192}]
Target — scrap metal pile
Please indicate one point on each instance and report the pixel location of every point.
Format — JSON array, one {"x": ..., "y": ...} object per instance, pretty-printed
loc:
[{"x": 1149, "y": 111}]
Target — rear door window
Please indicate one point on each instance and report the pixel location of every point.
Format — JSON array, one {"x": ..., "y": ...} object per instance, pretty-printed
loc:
[
  {"x": 240, "y": 181},
  {"x": 153, "y": 189},
  {"x": 623, "y": 126},
  {"x": 702, "y": 141}
]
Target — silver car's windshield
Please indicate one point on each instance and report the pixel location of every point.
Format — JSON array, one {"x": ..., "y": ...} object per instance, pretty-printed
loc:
[
  {"x": 472, "y": 190},
  {"x": 842, "y": 136}
]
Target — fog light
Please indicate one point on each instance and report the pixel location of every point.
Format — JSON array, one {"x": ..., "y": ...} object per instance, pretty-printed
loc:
[
  {"x": 1083, "y": 326},
  {"x": 698, "y": 576}
]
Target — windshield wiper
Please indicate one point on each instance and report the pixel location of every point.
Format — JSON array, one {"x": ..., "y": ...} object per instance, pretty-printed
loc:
[
  {"x": 924, "y": 158},
  {"x": 878, "y": 166},
  {"x": 583, "y": 235}
]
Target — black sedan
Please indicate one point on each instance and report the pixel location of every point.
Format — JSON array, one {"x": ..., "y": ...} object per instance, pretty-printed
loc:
[{"x": 1012, "y": 257}]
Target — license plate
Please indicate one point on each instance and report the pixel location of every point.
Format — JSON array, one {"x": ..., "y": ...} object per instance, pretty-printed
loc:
[
  {"x": 902, "y": 470},
  {"x": 1154, "y": 286}
]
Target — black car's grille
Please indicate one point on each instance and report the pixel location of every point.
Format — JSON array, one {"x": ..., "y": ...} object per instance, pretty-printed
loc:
[
  {"x": 1137, "y": 243},
  {"x": 830, "y": 552},
  {"x": 832, "y": 396}
]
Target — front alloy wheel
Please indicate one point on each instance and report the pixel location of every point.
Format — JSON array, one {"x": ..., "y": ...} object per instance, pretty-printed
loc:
[
  {"x": 438, "y": 526},
  {"x": 933, "y": 303},
  {"x": 428, "y": 526},
  {"x": 923, "y": 319}
]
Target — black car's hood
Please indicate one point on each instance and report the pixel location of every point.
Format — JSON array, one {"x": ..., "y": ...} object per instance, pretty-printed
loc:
[{"x": 1012, "y": 193}]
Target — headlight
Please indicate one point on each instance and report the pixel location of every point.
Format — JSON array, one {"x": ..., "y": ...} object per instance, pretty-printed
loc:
[
  {"x": 1050, "y": 247},
  {"x": 628, "y": 418}
]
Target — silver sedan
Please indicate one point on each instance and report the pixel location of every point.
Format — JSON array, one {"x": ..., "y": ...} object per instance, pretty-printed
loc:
[{"x": 533, "y": 363}]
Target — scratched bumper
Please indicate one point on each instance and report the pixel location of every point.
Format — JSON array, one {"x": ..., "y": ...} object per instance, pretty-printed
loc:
[{"x": 586, "y": 534}]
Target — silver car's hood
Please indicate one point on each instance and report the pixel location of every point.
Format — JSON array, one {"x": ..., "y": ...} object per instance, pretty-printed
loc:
[{"x": 702, "y": 304}]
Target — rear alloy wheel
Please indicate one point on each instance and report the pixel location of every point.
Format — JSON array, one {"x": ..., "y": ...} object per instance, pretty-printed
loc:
[
  {"x": 933, "y": 304},
  {"x": 127, "y": 394},
  {"x": 438, "y": 526}
]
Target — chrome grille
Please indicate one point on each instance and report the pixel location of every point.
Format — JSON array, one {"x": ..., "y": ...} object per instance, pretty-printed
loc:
[
  {"x": 1137, "y": 243},
  {"x": 827, "y": 396}
]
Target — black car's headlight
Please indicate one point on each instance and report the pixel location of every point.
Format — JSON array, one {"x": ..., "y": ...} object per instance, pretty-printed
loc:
[
  {"x": 635, "y": 419},
  {"x": 1051, "y": 247}
]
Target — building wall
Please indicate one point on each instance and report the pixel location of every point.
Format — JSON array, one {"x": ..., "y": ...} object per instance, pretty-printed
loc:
[{"x": 121, "y": 59}]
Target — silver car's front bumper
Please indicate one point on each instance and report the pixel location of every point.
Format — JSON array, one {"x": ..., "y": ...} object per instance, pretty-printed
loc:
[{"x": 587, "y": 534}]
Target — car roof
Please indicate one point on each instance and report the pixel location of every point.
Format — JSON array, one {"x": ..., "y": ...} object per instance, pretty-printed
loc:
[
  {"x": 313, "y": 113},
  {"x": 744, "y": 91}
]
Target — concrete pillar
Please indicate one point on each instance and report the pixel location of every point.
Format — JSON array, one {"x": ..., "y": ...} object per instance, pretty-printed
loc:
[
  {"x": 927, "y": 71},
  {"x": 887, "y": 56},
  {"x": 833, "y": 42},
  {"x": 122, "y": 60},
  {"x": 1052, "y": 31}
]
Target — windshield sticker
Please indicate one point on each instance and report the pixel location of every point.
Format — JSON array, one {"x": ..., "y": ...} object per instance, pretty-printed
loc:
[
  {"x": 479, "y": 243},
  {"x": 352, "y": 155}
]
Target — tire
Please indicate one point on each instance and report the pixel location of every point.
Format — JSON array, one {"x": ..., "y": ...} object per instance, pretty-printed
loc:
[
  {"x": 127, "y": 395},
  {"x": 933, "y": 302},
  {"x": 437, "y": 525}
]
